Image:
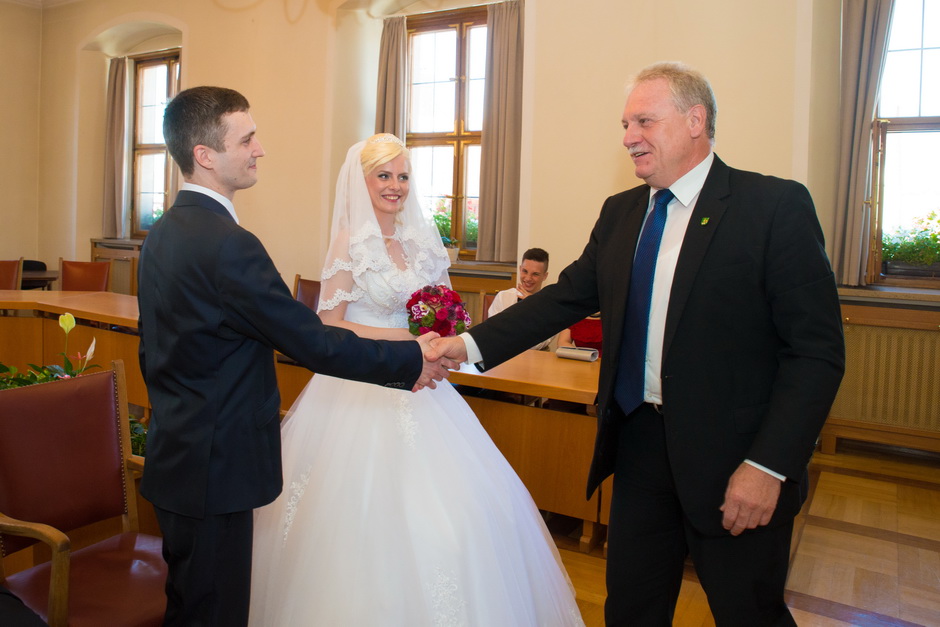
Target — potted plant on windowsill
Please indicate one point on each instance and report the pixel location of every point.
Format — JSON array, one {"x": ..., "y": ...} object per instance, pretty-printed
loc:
[
  {"x": 453, "y": 248},
  {"x": 441, "y": 218},
  {"x": 913, "y": 251}
]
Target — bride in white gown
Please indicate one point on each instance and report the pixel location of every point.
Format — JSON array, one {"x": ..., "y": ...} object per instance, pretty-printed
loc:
[{"x": 397, "y": 508}]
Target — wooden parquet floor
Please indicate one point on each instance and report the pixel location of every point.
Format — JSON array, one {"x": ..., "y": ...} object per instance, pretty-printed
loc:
[{"x": 866, "y": 547}]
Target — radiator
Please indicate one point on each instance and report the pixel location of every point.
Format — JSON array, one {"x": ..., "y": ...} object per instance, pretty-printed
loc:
[{"x": 892, "y": 377}]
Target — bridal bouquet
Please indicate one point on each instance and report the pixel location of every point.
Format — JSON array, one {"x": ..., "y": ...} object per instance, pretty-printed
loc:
[{"x": 436, "y": 308}]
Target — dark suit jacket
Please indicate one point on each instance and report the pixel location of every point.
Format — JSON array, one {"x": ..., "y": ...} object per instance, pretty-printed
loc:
[
  {"x": 753, "y": 350},
  {"x": 212, "y": 310}
]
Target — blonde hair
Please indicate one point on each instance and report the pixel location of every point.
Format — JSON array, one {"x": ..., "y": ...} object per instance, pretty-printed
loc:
[{"x": 380, "y": 149}]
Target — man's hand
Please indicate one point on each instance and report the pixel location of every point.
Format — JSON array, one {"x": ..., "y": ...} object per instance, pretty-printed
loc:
[
  {"x": 750, "y": 499},
  {"x": 435, "y": 368},
  {"x": 451, "y": 348}
]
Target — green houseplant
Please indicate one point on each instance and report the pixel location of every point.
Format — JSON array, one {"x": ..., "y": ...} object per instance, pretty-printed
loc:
[
  {"x": 917, "y": 247},
  {"x": 11, "y": 377}
]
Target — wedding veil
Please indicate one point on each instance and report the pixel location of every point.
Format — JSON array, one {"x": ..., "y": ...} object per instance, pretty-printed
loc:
[{"x": 357, "y": 258}]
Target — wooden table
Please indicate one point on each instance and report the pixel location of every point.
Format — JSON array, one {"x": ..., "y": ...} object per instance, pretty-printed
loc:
[{"x": 537, "y": 373}]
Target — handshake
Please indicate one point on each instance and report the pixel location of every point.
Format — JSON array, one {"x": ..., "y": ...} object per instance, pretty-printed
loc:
[{"x": 441, "y": 355}]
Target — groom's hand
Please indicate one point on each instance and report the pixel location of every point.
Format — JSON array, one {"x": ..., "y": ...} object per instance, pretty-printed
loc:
[
  {"x": 435, "y": 368},
  {"x": 452, "y": 348}
]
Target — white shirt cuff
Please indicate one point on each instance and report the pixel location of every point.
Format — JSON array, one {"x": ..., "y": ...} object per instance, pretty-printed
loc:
[
  {"x": 770, "y": 472},
  {"x": 473, "y": 352}
]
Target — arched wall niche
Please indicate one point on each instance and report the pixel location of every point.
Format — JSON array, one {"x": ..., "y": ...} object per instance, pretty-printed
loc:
[
  {"x": 136, "y": 33},
  {"x": 129, "y": 34}
]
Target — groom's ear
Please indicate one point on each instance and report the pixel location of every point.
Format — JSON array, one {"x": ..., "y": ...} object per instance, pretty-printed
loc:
[{"x": 204, "y": 156}]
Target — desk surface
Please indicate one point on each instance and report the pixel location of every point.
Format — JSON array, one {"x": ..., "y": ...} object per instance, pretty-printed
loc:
[
  {"x": 537, "y": 373},
  {"x": 108, "y": 307}
]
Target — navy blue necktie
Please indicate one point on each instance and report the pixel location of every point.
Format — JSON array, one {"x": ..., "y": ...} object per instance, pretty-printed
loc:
[{"x": 631, "y": 371}]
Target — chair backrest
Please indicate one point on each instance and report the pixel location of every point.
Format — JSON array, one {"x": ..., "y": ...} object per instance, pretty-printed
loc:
[
  {"x": 33, "y": 265},
  {"x": 88, "y": 276},
  {"x": 63, "y": 447},
  {"x": 487, "y": 301},
  {"x": 307, "y": 291},
  {"x": 11, "y": 274}
]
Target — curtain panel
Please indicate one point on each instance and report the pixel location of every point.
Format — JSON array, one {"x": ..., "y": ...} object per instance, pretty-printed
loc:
[
  {"x": 113, "y": 199},
  {"x": 502, "y": 135},
  {"x": 865, "y": 25},
  {"x": 392, "y": 90}
]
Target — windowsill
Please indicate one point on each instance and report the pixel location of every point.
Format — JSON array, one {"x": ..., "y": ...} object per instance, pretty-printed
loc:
[
  {"x": 885, "y": 295},
  {"x": 468, "y": 267}
]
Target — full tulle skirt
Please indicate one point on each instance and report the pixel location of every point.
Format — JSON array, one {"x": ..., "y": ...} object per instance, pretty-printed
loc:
[{"x": 398, "y": 510}]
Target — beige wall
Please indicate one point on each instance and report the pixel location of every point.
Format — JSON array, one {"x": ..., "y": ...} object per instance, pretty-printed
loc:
[
  {"x": 309, "y": 72},
  {"x": 759, "y": 56},
  {"x": 20, "y": 36}
]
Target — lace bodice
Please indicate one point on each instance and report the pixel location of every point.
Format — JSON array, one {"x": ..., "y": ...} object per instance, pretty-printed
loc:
[{"x": 378, "y": 298}]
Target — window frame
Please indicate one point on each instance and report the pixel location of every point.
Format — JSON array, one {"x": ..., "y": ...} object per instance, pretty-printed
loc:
[
  {"x": 170, "y": 58},
  {"x": 880, "y": 157},
  {"x": 881, "y": 127},
  {"x": 458, "y": 137}
]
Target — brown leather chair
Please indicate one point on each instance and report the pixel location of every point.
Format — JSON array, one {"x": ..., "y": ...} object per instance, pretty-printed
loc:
[
  {"x": 85, "y": 276},
  {"x": 307, "y": 291},
  {"x": 11, "y": 274},
  {"x": 65, "y": 464},
  {"x": 487, "y": 301}
]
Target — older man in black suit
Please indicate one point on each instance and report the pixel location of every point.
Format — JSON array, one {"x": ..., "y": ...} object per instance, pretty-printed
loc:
[
  {"x": 213, "y": 309},
  {"x": 723, "y": 352}
]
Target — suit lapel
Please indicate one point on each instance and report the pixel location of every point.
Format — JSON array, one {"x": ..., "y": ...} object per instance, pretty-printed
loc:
[{"x": 706, "y": 217}]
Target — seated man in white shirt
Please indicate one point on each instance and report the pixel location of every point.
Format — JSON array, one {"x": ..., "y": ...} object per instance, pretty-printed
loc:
[{"x": 533, "y": 270}]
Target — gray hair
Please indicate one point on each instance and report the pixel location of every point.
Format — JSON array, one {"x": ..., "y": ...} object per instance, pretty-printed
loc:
[{"x": 688, "y": 87}]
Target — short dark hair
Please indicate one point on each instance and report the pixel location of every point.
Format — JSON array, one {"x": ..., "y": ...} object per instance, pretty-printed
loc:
[
  {"x": 194, "y": 117},
  {"x": 536, "y": 254}
]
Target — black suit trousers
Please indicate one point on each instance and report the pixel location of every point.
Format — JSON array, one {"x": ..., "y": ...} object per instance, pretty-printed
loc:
[
  {"x": 649, "y": 538},
  {"x": 209, "y": 575}
]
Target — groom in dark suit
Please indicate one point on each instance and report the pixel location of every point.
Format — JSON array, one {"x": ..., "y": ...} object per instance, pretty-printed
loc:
[
  {"x": 717, "y": 375},
  {"x": 213, "y": 309}
]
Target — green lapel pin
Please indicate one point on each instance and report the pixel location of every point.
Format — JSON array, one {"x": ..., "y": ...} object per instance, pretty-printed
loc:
[{"x": 704, "y": 221}]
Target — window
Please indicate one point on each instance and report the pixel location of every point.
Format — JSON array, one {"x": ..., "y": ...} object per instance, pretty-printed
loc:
[
  {"x": 906, "y": 145},
  {"x": 445, "y": 118},
  {"x": 156, "y": 81}
]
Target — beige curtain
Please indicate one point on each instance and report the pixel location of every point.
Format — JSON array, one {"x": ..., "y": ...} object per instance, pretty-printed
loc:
[
  {"x": 391, "y": 94},
  {"x": 502, "y": 135},
  {"x": 865, "y": 25},
  {"x": 112, "y": 218}
]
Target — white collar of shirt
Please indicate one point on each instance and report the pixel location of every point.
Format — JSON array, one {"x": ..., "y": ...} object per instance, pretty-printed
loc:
[
  {"x": 225, "y": 202},
  {"x": 688, "y": 187}
]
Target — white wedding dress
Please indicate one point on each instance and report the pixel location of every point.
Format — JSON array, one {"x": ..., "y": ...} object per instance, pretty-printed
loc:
[{"x": 398, "y": 510}]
